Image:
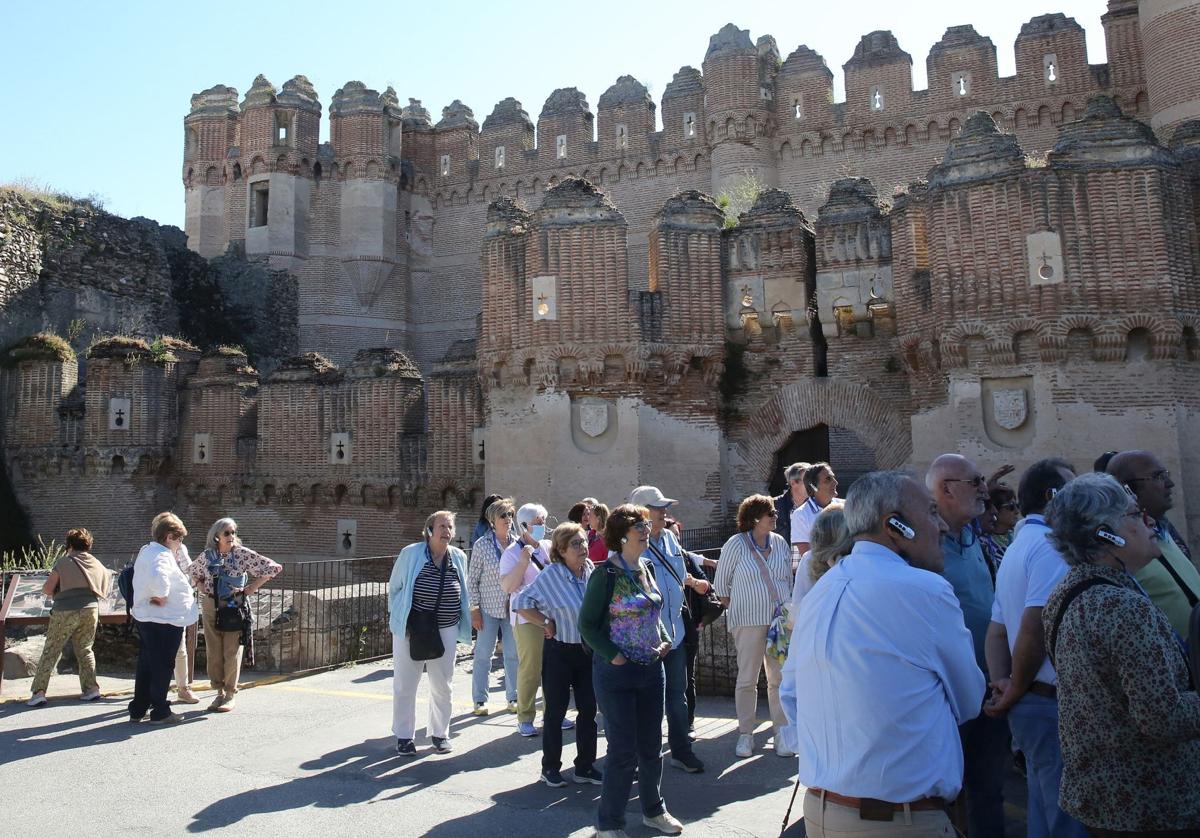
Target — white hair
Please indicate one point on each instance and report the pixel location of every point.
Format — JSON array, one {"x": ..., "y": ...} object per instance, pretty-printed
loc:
[
  {"x": 217, "y": 528},
  {"x": 872, "y": 498},
  {"x": 529, "y": 513}
]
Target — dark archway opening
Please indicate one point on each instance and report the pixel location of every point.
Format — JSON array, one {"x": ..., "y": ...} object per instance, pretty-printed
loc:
[{"x": 808, "y": 446}]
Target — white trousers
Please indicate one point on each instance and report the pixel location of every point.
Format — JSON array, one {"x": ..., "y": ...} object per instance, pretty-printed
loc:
[{"x": 406, "y": 675}]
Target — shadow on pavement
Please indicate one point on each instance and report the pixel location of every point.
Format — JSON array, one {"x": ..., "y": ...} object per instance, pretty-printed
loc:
[{"x": 102, "y": 729}]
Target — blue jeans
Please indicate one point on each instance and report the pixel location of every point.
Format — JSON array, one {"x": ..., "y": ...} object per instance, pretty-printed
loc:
[
  {"x": 986, "y": 754},
  {"x": 1034, "y": 724},
  {"x": 631, "y": 698},
  {"x": 485, "y": 647},
  {"x": 676, "y": 674}
]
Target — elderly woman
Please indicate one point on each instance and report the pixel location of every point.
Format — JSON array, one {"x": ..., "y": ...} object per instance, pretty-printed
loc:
[
  {"x": 183, "y": 681},
  {"x": 754, "y": 575},
  {"x": 1129, "y": 720},
  {"x": 519, "y": 566},
  {"x": 830, "y": 542},
  {"x": 163, "y": 603},
  {"x": 77, "y": 583},
  {"x": 552, "y": 602},
  {"x": 621, "y": 621},
  {"x": 489, "y": 606},
  {"x": 430, "y": 612},
  {"x": 226, "y": 573}
]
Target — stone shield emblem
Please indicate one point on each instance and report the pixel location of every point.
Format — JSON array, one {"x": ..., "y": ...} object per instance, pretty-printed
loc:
[
  {"x": 593, "y": 419},
  {"x": 1010, "y": 407}
]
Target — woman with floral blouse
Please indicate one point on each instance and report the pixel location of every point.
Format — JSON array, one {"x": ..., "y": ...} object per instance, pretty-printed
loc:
[
  {"x": 1129, "y": 719},
  {"x": 226, "y": 573}
]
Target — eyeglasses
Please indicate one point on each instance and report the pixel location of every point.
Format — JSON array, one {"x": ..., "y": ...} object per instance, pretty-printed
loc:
[
  {"x": 577, "y": 543},
  {"x": 642, "y": 526},
  {"x": 1162, "y": 476},
  {"x": 229, "y": 532},
  {"x": 977, "y": 481},
  {"x": 1146, "y": 519}
]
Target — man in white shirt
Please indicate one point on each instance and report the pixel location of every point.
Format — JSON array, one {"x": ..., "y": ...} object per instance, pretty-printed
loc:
[
  {"x": 888, "y": 671},
  {"x": 821, "y": 484},
  {"x": 1024, "y": 684}
]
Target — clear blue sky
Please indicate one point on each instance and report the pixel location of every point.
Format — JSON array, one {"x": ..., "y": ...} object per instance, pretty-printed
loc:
[{"x": 94, "y": 93}]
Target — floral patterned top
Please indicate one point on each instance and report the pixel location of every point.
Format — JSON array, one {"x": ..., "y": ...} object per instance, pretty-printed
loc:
[
  {"x": 1128, "y": 721},
  {"x": 629, "y": 622},
  {"x": 238, "y": 561}
]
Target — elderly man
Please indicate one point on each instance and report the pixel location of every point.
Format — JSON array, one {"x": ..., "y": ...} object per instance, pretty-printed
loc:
[
  {"x": 1171, "y": 580},
  {"x": 961, "y": 494},
  {"x": 673, "y": 574},
  {"x": 887, "y": 670},
  {"x": 821, "y": 485},
  {"x": 793, "y": 497},
  {"x": 1024, "y": 683}
]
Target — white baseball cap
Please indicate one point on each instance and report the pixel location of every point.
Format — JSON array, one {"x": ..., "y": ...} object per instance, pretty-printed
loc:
[{"x": 650, "y": 496}]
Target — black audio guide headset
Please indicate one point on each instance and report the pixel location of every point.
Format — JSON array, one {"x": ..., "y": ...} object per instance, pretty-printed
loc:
[{"x": 896, "y": 523}]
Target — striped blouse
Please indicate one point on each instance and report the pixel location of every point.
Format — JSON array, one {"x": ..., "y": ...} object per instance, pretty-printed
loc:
[
  {"x": 425, "y": 591},
  {"x": 483, "y": 577},
  {"x": 751, "y": 603},
  {"x": 557, "y": 593}
]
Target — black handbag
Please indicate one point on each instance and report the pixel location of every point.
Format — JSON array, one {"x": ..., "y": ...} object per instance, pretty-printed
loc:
[
  {"x": 424, "y": 637},
  {"x": 229, "y": 617}
]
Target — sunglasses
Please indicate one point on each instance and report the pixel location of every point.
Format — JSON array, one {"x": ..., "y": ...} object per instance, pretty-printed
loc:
[
  {"x": 229, "y": 532},
  {"x": 508, "y": 515},
  {"x": 642, "y": 526},
  {"x": 772, "y": 514}
]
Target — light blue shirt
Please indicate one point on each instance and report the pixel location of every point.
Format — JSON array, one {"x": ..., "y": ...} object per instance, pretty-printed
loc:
[
  {"x": 887, "y": 670},
  {"x": 558, "y": 593},
  {"x": 400, "y": 588},
  {"x": 668, "y": 584},
  {"x": 1031, "y": 569},
  {"x": 967, "y": 571}
]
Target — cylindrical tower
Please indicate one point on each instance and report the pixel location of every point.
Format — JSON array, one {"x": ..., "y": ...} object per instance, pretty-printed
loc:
[
  {"x": 739, "y": 82},
  {"x": 1170, "y": 44},
  {"x": 210, "y": 131}
]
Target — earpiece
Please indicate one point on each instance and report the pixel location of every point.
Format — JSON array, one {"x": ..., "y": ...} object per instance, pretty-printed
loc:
[
  {"x": 899, "y": 526},
  {"x": 624, "y": 540},
  {"x": 430, "y": 530},
  {"x": 1111, "y": 538}
]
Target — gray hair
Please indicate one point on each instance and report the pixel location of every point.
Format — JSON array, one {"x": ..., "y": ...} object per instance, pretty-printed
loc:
[
  {"x": 529, "y": 513},
  {"x": 441, "y": 513},
  {"x": 215, "y": 530},
  {"x": 795, "y": 471},
  {"x": 1086, "y": 504},
  {"x": 829, "y": 540},
  {"x": 872, "y": 497}
]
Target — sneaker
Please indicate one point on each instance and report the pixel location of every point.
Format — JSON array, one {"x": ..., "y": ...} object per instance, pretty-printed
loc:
[
  {"x": 553, "y": 779},
  {"x": 611, "y": 833},
  {"x": 589, "y": 776},
  {"x": 526, "y": 729},
  {"x": 217, "y": 703},
  {"x": 136, "y": 719},
  {"x": 691, "y": 733},
  {"x": 406, "y": 748},
  {"x": 568, "y": 724},
  {"x": 440, "y": 745},
  {"x": 226, "y": 705},
  {"x": 665, "y": 823},
  {"x": 690, "y": 763},
  {"x": 481, "y": 709},
  {"x": 187, "y": 697},
  {"x": 745, "y": 746},
  {"x": 90, "y": 695},
  {"x": 512, "y": 706},
  {"x": 36, "y": 700},
  {"x": 169, "y": 719},
  {"x": 782, "y": 750}
]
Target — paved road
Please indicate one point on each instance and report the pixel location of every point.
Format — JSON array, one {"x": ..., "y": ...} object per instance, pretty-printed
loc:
[{"x": 314, "y": 756}]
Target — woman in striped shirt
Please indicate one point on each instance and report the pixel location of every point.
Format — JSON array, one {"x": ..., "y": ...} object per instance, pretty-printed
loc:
[
  {"x": 754, "y": 577},
  {"x": 429, "y": 576},
  {"x": 552, "y": 601},
  {"x": 489, "y": 606}
]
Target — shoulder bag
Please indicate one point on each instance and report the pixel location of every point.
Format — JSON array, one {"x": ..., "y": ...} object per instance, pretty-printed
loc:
[
  {"x": 778, "y": 633},
  {"x": 229, "y": 614},
  {"x": 424, "y": 637}
]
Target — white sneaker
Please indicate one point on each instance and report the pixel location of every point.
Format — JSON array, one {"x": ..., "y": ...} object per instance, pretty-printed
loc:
[
  {"x": 91, "y": 695},
  {"x": 781, "y": 750},
  {"x": 745, "y": 746},
  {"x": 611, "y": 833},
  {"x": 665, "y": 823},
  {"x": 36, "y": 700}
]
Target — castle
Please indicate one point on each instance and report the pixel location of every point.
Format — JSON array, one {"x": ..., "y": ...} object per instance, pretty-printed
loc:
[{"x": 1009, "y": 267}]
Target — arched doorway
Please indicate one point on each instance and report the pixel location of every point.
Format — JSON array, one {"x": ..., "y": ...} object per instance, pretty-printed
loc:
[{"x": 810, "y": 445}]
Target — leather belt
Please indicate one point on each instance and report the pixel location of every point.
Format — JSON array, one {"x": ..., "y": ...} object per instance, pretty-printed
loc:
[
  {"x": 870, "y": 809},
  {"x": 1043, "y": 689}
]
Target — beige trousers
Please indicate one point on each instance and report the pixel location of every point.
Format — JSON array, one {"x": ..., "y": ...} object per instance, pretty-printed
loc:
[
  {"x": 825, "y": 819},
  {"x": 751, "y": 645},
  {"x": 223, "y": 650},
  {"x": 530, "y": 639}
]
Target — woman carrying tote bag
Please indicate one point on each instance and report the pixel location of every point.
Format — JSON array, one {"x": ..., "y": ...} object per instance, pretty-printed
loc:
[{"x": 430, "y": 613}]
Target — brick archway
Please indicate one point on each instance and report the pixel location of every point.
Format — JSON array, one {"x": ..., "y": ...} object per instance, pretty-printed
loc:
[{"x": 828, "y": 401}]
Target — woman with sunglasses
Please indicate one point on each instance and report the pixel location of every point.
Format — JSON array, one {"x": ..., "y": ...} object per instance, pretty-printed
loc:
[
  {"x": 620, "y": 620},
  {"x": 226, "y": 574},
  {"x": 997, "y": 523},
  {"x": 754, "y": 578},
  {"x": 1128, "y": 717},
  {"x": 489, "y": 606},
  {"x": 552, "y": 601}
]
